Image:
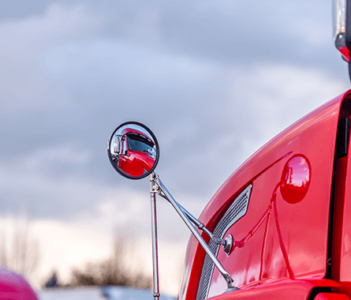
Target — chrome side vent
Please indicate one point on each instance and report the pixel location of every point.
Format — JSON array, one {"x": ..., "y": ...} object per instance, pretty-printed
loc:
[{"x": 235, "y": 212}]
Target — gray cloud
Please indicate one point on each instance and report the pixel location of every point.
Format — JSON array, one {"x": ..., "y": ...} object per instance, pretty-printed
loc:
[{"x": 213, "y": 80}]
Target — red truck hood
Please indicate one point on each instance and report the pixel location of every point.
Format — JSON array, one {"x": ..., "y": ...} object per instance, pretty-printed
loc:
[{"x": 145, "y": 160}]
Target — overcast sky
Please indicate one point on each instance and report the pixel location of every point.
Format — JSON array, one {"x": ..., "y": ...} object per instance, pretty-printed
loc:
[{"x": 214, "y": 80}]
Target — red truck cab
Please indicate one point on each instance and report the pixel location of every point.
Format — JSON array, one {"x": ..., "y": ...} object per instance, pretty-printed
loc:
[
  {"x": 136, "y": 154},
  {"x": 288, "y": 208}
]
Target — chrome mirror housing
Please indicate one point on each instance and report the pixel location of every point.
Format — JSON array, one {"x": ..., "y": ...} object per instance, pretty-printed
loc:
[{"x": 133, "y": 150}]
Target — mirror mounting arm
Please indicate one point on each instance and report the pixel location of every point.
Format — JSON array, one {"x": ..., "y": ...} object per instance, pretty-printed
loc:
[
  {"x": 224, "y": 242},
  {"x": 188, "y": 219}
]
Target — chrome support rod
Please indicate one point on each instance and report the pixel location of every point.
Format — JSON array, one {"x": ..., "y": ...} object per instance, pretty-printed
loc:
[
  {"x": 198, "y": 224},
  {"x": 201, "y": 226},
  {"x": 154, "y": 237},
  {"x": 187, "y": 221}
]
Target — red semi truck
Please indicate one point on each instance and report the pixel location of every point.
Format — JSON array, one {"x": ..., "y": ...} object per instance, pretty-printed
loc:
[{"x": 288, "y": 208}]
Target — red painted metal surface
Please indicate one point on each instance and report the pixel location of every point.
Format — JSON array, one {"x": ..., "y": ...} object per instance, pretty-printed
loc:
[
  {"x": 284, "y": 235},
  {"x": 331, "y": 296},
  {"x": 134, "y": 163},
  {"x": 284, "y": 290},
  {"x": 341, "y": 259},
  {"x": 295, "y": 179},
  {"x": 15, "y": 287},
  {"x": 345, "y": 53}
]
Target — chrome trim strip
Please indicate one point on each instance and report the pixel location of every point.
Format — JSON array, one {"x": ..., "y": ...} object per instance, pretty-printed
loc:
[{"x": 233, "y": 214}]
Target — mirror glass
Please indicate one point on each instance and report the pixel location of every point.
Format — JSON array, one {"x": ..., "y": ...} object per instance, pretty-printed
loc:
[{"x": 133, "y": 150}]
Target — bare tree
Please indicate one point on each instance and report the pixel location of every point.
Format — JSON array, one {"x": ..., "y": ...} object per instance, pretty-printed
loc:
[
  {"x": 23, "y": 254},
  {"x": 3, "y": 251},
  {"x": 115, "y": 270}
]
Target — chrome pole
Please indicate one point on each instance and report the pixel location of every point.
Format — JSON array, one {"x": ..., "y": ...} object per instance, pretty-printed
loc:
[{"x": 154, "y": 237}]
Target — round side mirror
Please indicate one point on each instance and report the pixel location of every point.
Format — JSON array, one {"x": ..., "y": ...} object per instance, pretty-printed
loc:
[{"x": 133, "y": 150}]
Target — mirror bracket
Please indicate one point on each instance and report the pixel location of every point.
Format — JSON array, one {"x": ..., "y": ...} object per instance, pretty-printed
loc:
[
  {"x": 227, "y": 243},
  {"x": 189, "y": 220}
]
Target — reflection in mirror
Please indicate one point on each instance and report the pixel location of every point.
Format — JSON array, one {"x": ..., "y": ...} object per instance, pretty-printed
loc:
[
  {"x": 116, "y": 145},
  {"x": 133, "y": 150},
  {"x": 295, "y": 179}
]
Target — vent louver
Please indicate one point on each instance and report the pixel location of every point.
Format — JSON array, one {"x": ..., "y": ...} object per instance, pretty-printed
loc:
[{"x": 236, "y": 211}]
